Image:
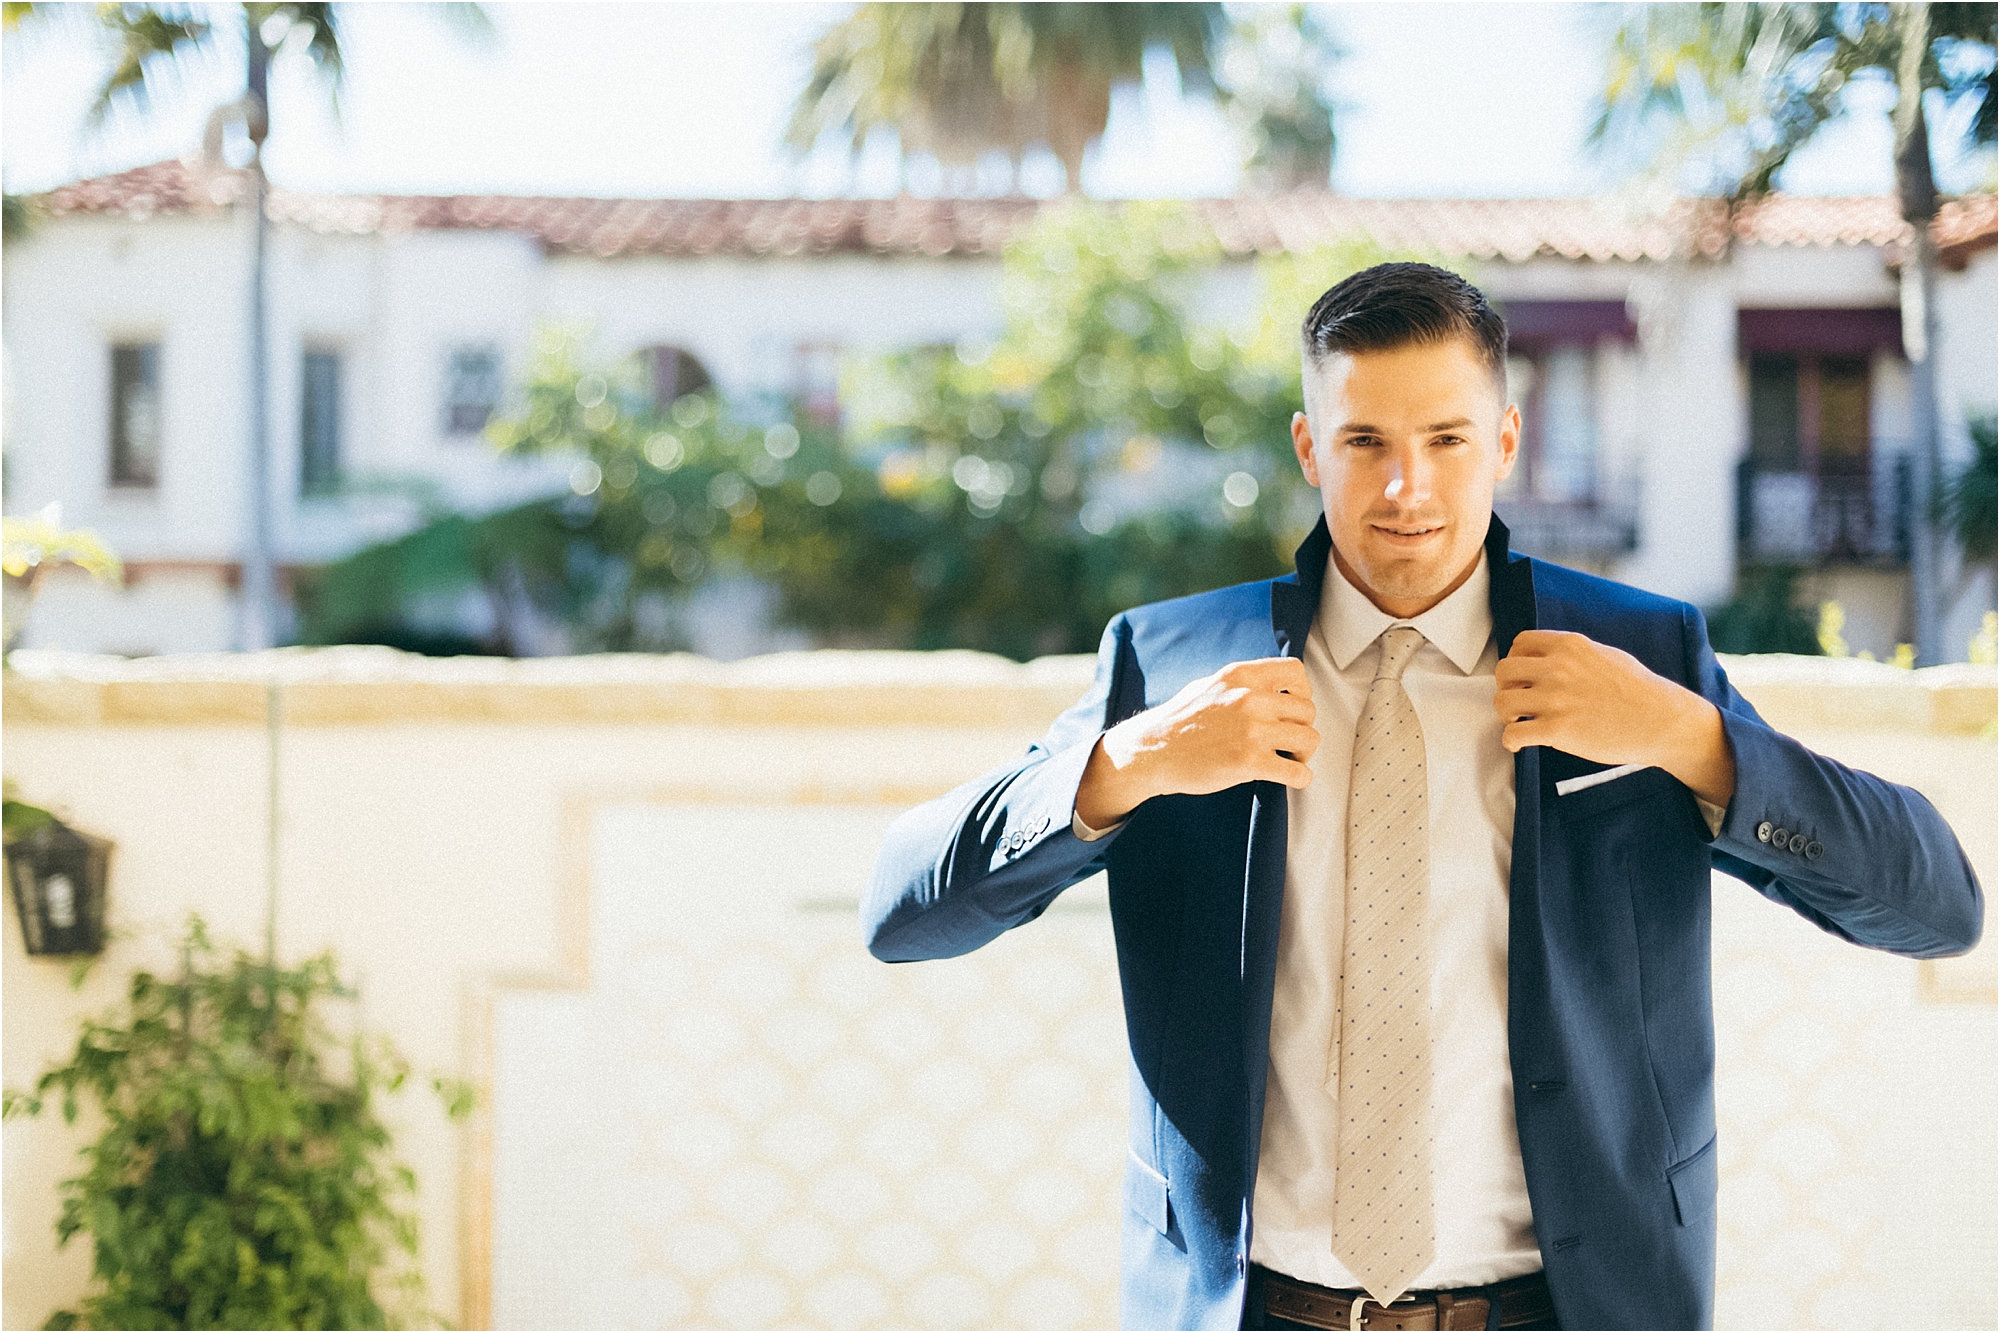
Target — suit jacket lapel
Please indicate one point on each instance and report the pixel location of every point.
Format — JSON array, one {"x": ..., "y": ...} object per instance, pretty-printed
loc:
[
  {"x": 1515, "y": 608},
  {"x": 1294, "y": 601},
  {"x": 1511, "y": 596},
  {"x": 1295, "y": 598}
]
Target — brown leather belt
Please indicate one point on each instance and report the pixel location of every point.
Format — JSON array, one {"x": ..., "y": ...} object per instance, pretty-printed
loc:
[{"x": 1522, "y": 1301}]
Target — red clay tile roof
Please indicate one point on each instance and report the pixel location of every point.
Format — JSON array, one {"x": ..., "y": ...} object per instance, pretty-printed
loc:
[{"x": 1505, "y": 229}]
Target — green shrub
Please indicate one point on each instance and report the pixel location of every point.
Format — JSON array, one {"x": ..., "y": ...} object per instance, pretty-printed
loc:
[
  {"x": 242, "y": 1178},
  {"x": 960, "y": 503},
  {"x": 1763, "y": 615}
]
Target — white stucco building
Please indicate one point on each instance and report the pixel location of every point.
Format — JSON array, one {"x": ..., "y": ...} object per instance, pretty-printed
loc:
[{"x": 1653, "y": 358}]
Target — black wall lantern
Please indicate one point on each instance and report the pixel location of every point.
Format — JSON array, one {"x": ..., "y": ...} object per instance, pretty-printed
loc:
[{"x": 58, "y": 877}]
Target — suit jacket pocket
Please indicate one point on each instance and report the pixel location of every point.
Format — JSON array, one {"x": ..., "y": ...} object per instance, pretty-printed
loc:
[
  {"x": 1146, "y": 1193},
  {"x": 1693, "y": 1183},
  {"x": 1605, "y": 796}
]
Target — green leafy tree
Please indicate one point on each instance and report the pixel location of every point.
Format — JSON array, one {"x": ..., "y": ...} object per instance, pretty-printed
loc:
[
  {"x": 958, "y": 80},
  {"x": 241, "y": 1178},
  {"x": 1273, "y": 69},
  {"x": 1734, "y": 90},
  {"x": 1972, "y": 501},
  {"x": 1763, "y": 614},
  {"x": 1107, "y": 448}
]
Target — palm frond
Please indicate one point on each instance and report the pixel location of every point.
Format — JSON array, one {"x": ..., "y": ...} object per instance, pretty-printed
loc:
[
  {"x": 1968, "y": 30},
  {"x": 1744, "y": 86},
  {"x": 1969, "y": 504},
  {"x": 319, "y": 25},
  {"x": 148, "y": 37},
  {"x": 960, "y": 79},
  {"x": 469, "y": 22}
]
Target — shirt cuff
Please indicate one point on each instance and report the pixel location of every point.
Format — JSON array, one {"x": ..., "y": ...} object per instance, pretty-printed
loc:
[
  {"x": 1088, "y": 834},
  {"x": 1714, "y": 814}
]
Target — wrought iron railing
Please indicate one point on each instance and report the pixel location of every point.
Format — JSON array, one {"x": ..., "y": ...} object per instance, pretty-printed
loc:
[
  {"x": 1589, "y": 529},
  {"x": 1800, "y": 518}
]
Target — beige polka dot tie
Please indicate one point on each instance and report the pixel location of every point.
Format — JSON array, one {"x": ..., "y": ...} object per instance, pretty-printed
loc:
[{"x": 1384, "y": 1223}]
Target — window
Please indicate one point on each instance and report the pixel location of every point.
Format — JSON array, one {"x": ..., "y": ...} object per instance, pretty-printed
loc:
[
  {"x": 1809, "y": 414},
  {"x": 1558, "y": 462},
  {"x": 1811, "y": 487},
  {"x": 1551, "y": 375},
  {"x": 674, "y": 373},
  {"x": 1571, "y": 495},
  {"x": 135, "y": 415},
  {"x": 472, "y": 389},
  {"x": 319, "y": 423}
]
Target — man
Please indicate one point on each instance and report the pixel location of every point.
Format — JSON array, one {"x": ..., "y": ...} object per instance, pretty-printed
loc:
[{"x": 1409, "y": 862}]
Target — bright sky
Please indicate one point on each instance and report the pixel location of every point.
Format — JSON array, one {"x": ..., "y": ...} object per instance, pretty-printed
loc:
[{"x": 691, "y": 100}]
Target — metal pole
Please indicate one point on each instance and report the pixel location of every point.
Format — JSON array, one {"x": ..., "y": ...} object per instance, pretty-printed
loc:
[
  {"x": 1916, "y": 190},
  {"x": 259, "y": 619},
  {"x": 1919, "y": 301},
  {"x": 273, "y": 707}
]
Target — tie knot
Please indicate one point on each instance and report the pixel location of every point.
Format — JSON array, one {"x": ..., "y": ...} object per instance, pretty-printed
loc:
[{"x": 1399, "y": 645}]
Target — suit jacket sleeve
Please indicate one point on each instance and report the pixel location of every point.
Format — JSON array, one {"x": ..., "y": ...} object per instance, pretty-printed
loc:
[
  {"x": 994, "y": 852},
  {"x": 1879, "y": 865}
]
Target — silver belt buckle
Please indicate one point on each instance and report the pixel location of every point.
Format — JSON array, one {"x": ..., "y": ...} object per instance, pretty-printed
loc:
[{"x": 1355, "y": 1307}]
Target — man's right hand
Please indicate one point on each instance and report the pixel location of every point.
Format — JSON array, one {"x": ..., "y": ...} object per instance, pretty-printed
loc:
[{"x": 1219, "y": 731}]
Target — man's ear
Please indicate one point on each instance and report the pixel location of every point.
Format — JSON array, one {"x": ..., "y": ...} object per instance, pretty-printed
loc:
[
  {"x": 1510, "y": 441},
  {"x": 1302, "y": 446}
]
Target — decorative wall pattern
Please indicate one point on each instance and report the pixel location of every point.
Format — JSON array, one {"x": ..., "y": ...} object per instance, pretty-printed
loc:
[
  {"x": 1856, "y": 1140},
  {"x": 472, "y": 894},
  {"x": 747, "y": 1122}
]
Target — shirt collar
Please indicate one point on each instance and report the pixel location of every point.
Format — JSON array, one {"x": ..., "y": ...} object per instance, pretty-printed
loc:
[{"x": 1458, "y": 626}]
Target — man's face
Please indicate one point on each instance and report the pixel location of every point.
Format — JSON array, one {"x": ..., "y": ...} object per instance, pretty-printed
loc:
[{"x": 1406, "y": 447}]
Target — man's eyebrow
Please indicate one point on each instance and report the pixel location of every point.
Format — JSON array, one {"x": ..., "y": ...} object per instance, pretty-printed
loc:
[{"x": 1358, "y": 428}]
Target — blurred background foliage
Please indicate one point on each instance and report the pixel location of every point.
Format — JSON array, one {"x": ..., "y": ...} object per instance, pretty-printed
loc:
[
  {"x": 1972, "y": 501},
  {"x": 959, "y": 81},
  {"x": 1108, "y": 448}
]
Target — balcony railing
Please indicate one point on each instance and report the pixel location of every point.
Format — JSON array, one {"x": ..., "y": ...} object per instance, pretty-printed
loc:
[
  {"x": 1590, "y": 529},
  {"x": 1800, "y": 518}
]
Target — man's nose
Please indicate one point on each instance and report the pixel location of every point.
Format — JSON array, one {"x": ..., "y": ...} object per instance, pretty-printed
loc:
[{"x": 1409, "y": 478}]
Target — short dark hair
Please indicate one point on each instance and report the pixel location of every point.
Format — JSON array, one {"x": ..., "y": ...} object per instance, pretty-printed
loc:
[{"x": 1395, "y": 305}]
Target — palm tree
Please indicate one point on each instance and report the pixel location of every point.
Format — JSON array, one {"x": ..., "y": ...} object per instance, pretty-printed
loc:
[
  {"x": 1750, "y": 84},
  {"x": 1271, "y": 69},
  {"x": 958, "y": 80},
  {"x": 152, "y": 39}
]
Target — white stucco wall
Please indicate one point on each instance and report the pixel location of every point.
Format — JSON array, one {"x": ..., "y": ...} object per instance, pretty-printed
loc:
[
  {"x": 1692, "y": 436},
  {"x": 672, "y": 1030}
]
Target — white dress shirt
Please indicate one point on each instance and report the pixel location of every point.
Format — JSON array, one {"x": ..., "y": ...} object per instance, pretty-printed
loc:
[
  {"x": 1484, "y": 1223},
  {"x": 1484, "y": 1231}
]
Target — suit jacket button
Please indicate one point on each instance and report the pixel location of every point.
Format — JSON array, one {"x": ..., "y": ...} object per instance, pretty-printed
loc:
[
  {"x": 1779, "y": 838},
  {"x": 1813, "y": 851},
  {"x": 1799, "y": 841},
  {"x": 1764, "y": 831}
]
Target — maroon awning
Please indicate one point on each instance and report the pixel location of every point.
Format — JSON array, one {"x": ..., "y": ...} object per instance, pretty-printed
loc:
[
  {"x": 1833, "y": 331},
  {"x": 1566, "y": 321}
]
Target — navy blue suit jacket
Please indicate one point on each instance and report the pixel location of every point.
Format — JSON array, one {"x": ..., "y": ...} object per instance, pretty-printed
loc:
[{"x": 1609, "y": 1028}]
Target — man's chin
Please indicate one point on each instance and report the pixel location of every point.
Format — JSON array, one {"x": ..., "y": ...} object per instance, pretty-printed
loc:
[
  {"x": 1407, "y": 582},
  {"x": 1410, "y": 586}
]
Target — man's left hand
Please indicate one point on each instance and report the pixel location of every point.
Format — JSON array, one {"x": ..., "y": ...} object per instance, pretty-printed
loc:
[{"x": 1600, "y": 703}]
